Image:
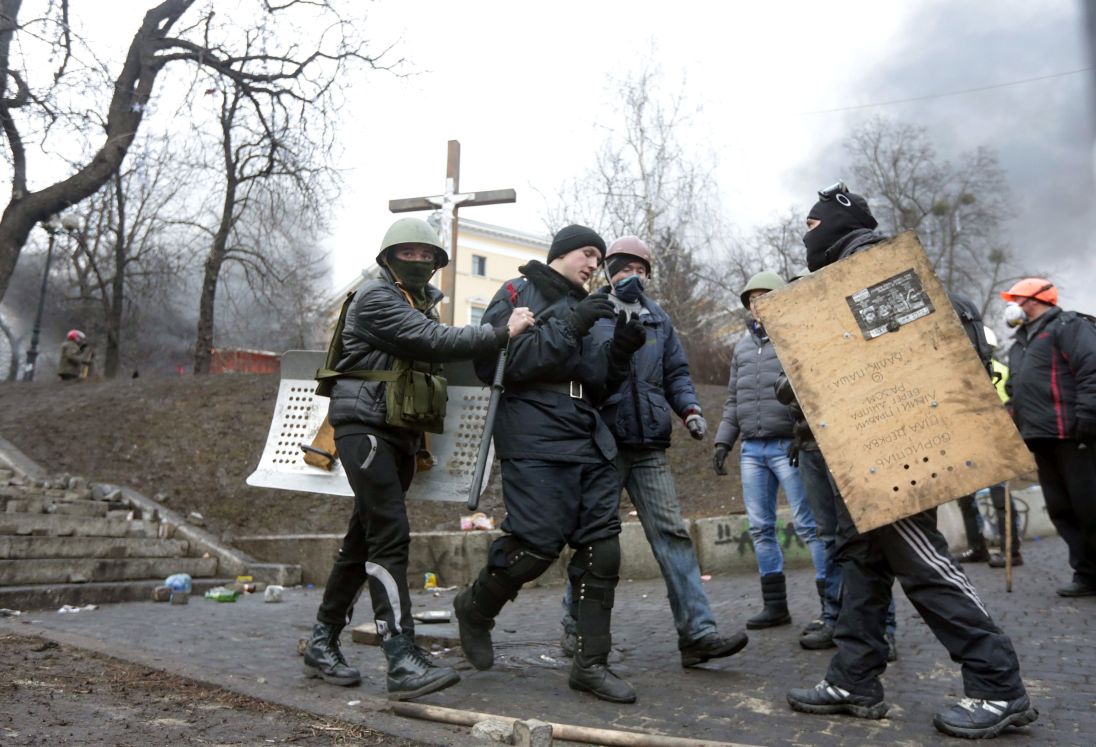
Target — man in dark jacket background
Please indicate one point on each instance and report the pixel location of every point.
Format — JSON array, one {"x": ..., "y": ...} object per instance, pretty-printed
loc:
[
  {"x": 559, "y": 485},
  {"x": 913, "y": 551},
  {"x": 391, "y": 319},
  {"x": 638, "y": 413},
  {"x": 752, "y": 411},
  {"x": 1052, "y": 385}
]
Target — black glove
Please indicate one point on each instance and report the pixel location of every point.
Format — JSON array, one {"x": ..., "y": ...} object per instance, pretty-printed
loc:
[
  {"x": 785, "y": 395},
  {"x": 595, "y": 306},
  {"x": 628, "y": 337},
  {"x": 719, "y": 457},
  {"x": 793, "y": 452},
  {"x": 1085, "y": 430}
]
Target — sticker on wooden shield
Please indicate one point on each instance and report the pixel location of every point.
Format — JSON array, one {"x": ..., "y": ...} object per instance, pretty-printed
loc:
[{"x": 886, "y": 306}]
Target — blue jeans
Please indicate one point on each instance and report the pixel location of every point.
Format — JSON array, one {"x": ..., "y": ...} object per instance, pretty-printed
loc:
[
  {"x": 646, "y": 475},
  {"x": 822, "y": 496},
  {"x": 765, "y": 467}
]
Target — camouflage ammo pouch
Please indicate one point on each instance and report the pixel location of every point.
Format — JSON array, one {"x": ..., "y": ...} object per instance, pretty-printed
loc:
[{"x": 413, "y": 399}]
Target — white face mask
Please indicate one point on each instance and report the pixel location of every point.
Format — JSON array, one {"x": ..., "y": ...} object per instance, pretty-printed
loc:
[{"x": 1014, "y": 315}]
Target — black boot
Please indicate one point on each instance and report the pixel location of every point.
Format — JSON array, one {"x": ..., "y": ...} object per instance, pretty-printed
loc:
[
  {"x": 595, "y": 677},
  {"x": 712, "y": 646},
  {"x": 592, "y": 571},
  {"x": 775, "y": 594},
  {"x": 475, "y": 630},
  {"x": 410, "y": 671},
  {"x": 323, "y": 658}
]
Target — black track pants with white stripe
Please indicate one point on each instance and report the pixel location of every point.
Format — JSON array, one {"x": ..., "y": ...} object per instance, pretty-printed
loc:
[
  {"x": 377, "y": 542},
  {"x": 913, "y": 551}
]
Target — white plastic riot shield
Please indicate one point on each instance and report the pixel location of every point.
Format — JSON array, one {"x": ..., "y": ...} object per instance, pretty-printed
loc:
[{"x": 298, "y": 413}]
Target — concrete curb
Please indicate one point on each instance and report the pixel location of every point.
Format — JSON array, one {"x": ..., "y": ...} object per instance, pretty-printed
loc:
[{"x": 722, "y": 545}]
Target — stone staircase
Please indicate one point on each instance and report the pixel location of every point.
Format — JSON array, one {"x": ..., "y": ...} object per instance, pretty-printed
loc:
[{"x": 64, "y": 540}]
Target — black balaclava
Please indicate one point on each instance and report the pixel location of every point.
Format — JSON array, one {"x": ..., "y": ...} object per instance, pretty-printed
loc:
[
  {"x": 838, "y": 219},
  {"x": 412, "y": 275}
]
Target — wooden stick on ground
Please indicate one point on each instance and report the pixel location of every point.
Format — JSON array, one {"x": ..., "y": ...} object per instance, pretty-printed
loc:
[{"x": 568, "y": 732}]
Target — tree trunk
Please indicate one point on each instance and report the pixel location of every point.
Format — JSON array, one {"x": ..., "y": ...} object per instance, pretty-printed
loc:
[
  {"x": 13, "y": 362},
  {"x": 116, "y": 302},
  {"x": 203, "y": 347}
]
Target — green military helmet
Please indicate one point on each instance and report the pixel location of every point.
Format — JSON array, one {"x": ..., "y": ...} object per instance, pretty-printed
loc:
[
  {"x": 768, "y": 281},
  {"x": 412, "y": 231}
]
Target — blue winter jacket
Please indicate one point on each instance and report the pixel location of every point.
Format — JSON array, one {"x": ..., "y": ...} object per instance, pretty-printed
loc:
[{"x": 639, "y": 411}]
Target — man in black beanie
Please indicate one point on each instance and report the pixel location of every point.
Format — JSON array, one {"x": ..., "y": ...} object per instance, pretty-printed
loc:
[
  {"x": 558, "y": 481},
  {"x": 913, "y": 551}
]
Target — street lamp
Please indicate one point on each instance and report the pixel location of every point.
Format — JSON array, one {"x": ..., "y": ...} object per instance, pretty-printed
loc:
[{"x": 52, "y": 224}]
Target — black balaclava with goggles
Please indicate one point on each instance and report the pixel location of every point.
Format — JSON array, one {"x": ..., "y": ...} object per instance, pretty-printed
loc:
[{"x": 839, "y": 215}]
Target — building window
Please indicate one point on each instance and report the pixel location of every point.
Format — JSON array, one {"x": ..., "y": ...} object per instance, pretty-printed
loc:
[
  {"x": 479, "y": 266},
  {"x": 476, "y": 314}
]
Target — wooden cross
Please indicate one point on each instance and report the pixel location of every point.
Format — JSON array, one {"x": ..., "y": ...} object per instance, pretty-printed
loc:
[{"x": 449, "y": 202}]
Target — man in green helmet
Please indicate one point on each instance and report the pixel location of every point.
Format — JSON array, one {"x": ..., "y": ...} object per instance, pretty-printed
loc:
[
  {"x": 391, "y": 340},
  {"x": 765, "y": 426}
]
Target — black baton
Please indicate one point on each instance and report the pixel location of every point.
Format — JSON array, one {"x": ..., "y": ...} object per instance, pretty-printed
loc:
[{"x": 488, "y": 429}]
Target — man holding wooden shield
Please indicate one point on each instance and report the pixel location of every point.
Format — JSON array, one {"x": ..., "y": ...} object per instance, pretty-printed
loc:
[{"x": 896, "y": 445}]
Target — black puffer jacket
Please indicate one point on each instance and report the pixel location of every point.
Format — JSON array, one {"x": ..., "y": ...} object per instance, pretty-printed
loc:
[
  {"x": 1052, "y": 375},
  {"x": 381, "y": 326},
  {"x": 547, "y": 424}
]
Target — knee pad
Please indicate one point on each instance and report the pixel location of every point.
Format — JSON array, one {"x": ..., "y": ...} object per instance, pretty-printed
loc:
[
  {"x": 596, "y": 564},
  {"x": 518, "y": 562}
]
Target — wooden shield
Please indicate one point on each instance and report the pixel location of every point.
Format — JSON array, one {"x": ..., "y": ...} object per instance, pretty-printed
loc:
[{"x": 902, "y": 408}]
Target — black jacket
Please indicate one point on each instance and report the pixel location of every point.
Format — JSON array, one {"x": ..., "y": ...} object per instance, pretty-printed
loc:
[
  {"x": 381, "y": 326},
  {"x": 1052, "y": 375},
  {"x": 541, "y": 423}
]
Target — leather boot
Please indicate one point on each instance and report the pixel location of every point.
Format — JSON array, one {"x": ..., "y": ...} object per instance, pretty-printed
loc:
[
  {"x": 817, "y": 623},
  {"x": 323, "y": 657},
  {"x": 475, "y": 630},
  {"x": 595, "y": 677},
  {"x": 775, "y": 594},
  {"x": 410, "y": 671}
]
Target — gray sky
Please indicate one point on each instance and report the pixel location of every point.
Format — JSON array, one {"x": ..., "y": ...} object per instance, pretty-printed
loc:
[
  {"x": 523, "y": 88},
  {"x": 1040, "y": 130}
]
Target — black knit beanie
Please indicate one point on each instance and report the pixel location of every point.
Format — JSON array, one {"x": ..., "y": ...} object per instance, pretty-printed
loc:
[
  {"x": 574, "y": 237},
  {"x": 616, "y": 263}
]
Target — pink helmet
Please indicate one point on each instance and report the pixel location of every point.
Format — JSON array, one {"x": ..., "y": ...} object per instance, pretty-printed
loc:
[
  {"x": 75, "y": 335},
  {"x": 632, "y": 246}
]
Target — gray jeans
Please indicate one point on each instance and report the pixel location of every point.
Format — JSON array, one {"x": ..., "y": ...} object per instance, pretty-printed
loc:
[{"x": 645, "y": 474}]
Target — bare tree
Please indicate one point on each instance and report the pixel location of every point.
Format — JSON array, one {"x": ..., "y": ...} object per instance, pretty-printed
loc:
[
  {"x": 273, "y": 161},
  {"x": 647, "y": 183},
  {"x": 123, "y": 241},
  {"x": 29, "y": 91},
  {"x": 958, "y": 209}
]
